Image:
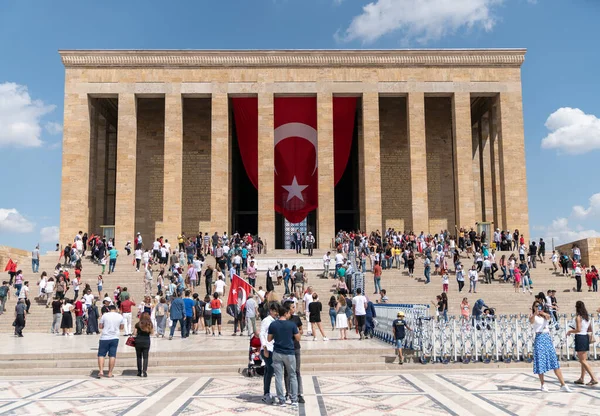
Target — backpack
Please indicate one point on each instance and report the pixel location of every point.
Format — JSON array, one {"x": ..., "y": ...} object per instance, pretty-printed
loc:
[
  {"x": 3, "y": 291},
  {"x": 198, "y": 309}
]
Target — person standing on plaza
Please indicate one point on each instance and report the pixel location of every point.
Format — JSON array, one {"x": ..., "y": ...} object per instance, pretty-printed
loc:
[
  {"x": 142, "y": 332},
  {"x": 216, "y": 317},
  {"x": 251, "y": 308},
  {"x": 282, "y": 332},
  {"x": 400, "y": 326},
  {"x": 112, "y": 259},
  {"x": 20, "y": 318},
  {"x": 544, "y": 354},
  {"x": 110, "y": 324},
  {"x": 251, "y": 271},
  {"x": 310, "y": 243},
  {"x": 326, "y": 262},
  {"x": 161, "y": 314},
  {"x": 578, "y": 273},
  {"x": 582, "y": 342},
  {"x": 190, "y": 313},
  {"x": 56, "y": 315},
  {"x": 295, "y": 319},
  {"x": 473, "y": 277},
  {"x": 359, "y": 308},
  {"x": 79, "y": 323},
  {"x": 208, "y": 275},
  {"x": 35, "y": 259},
  {"x": 377, "y": 277},
  {"x": 66, "y": 323},
  {"x": 266, "y": 352},
  {"x": 126, "y": 305},
  {"x": 138, "y": 254},
  {"x": 341, "y": 317},
  {"x": 4, "y": 296},
  {"x": 177, "y": 314},
  {"x": 314, "y": 316}
]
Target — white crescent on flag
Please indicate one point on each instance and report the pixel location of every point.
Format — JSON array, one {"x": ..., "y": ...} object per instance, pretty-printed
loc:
[{"x": 304, "y": 131}]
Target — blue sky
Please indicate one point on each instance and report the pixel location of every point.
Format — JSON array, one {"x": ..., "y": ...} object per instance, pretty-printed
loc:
[{"x": 560, "y": 81}]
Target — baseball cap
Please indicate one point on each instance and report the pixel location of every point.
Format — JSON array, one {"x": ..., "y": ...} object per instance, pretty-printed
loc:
[{"x": 400, "y": 313}]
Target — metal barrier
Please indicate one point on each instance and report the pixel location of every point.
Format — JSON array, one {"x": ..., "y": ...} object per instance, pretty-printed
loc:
[
  {"x": 414, "y": 315},
  {"x": 502, "y": 338}
]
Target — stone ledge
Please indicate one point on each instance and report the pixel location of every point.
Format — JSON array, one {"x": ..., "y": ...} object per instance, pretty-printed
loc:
[{"x": 293, "y": 58}]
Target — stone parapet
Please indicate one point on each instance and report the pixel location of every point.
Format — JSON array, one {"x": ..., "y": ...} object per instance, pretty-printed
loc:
[{"x": 590, "y": 250}]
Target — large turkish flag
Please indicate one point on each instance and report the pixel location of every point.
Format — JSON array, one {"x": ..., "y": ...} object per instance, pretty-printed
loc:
[{"x": 296, "y": 171}]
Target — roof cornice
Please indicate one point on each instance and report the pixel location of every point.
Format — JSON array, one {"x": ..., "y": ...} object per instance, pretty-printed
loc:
[{"x": 293, "y": 58}]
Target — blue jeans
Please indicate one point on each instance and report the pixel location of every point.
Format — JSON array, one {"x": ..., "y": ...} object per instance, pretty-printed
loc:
[
  {"x": 377, "y": 284},
  {"x": 286, "y": 283},
  {"x": 111, "y": 265},
  {"x": 35, "y": 265},
  {"x": 18, "y": 286},
  {"x": 363, "y": 265},
  {"x": 289, "y": 362},
  {"x": 427, "y": 274},
  {"x": 181, "y": 325},
  {"x": 332, "y": 316}
]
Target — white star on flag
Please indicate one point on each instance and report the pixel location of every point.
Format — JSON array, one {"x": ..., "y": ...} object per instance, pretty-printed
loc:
[{"x": 294, "y": 190}]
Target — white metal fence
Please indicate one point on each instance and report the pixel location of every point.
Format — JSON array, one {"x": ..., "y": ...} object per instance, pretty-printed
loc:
[{"x": 503, "y": 338}]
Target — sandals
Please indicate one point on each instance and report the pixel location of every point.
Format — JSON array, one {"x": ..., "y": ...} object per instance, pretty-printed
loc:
[
  {"x": 592, "y": 383},
  {"x": 579, "y": 381}
]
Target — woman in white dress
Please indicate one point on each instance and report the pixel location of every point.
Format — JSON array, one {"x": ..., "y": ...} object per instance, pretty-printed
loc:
[{"x": 341, "y": 320}]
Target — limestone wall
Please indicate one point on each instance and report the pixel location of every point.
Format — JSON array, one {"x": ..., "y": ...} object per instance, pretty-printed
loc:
[
  {"x": 22, "y": 257},
  {"x": 590, "y": 250},
  {"x": 396, "y": 201},
  {"x": 150, "y": 166}
]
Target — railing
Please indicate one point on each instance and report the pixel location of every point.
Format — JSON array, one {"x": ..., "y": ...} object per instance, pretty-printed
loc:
[{"x": 504, "y": 338}]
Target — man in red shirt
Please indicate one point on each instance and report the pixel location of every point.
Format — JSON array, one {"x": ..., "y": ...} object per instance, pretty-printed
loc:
[
  {"x": 126, "y": 311},
  {"x": 78, "y": 317},
  {"x": 377, "y": 277}
]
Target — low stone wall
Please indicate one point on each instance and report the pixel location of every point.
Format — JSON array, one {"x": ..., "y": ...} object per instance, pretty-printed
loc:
[
  {"x": 590, "y": 250},
  {"x": 22, "y": 257}
]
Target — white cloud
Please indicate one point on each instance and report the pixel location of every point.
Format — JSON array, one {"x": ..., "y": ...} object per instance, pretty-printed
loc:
[
  {"x": 53, "y": 128},
  {"x": 562, "y": 232},
  {"x": 49, "y": 234},
  {"x": 421, "y": 20},
  {"x": 11, "y": 221},
  {"x": 20, "y": 116},
  {"x": 572, "y": 131},
  {"x": 592, "y": 211}
]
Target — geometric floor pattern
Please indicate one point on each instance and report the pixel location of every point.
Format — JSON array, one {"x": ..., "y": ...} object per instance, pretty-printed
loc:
[{"x": 484, "y": 392}]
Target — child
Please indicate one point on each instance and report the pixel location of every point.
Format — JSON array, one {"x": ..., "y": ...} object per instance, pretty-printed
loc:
[
  {"x": 103, "y": 263},
  {"x": 128, "y": 248},
  {"x": 445, "y": 280},
  {"x": 100, "y": 284},
  {"x": 437, "y": 264},
  {"x": 464, "y": 309},
  {"x": 400, "y": 326},
  {"x": 517, "y": 273}
]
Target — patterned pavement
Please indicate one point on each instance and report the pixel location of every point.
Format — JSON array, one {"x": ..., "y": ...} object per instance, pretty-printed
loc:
[{"x": 485, "y": 392}]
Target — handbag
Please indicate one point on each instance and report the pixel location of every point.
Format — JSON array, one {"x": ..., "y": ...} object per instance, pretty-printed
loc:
[{"x": 130, "y": 342}]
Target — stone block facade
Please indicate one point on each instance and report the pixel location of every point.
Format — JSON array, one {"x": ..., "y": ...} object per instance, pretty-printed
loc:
[
  {"x": 590, "y": 250},
  {"x": 435, "y": 132}
]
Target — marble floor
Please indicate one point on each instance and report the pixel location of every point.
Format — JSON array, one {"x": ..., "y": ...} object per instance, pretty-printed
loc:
[{"x": 485, "y": 392}]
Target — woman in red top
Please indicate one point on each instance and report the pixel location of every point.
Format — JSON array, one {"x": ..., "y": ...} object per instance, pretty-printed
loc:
[{"x": 588, "y": 279}]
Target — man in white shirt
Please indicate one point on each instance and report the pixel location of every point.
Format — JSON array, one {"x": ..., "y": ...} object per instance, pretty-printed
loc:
[
  {"x": 359, "y": 308},
  {"x": 110, "y": 324},
  {"x": 267, "y": 351},
  {"x": 326, "y": 261},
  {"x": 138, "y": 258},
  {"x": 156, "y": 250},
  {"x": 307, "y": 299},
  {"x": 473, "y": 277},
  {"x": 251, "y": 307}
]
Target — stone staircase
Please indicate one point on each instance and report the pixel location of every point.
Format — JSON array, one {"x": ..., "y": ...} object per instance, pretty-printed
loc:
[{"x": 227, "y": 355}]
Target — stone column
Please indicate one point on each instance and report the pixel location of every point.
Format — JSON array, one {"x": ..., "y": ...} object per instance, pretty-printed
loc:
[
  {"x": 496, "y": 172},
  {"x": 476, "y": 171},
  {"x": 266, "y": 173},
  {"x": 326, "y": 211},
  {"x": 487, "y": 167},
  {"x": 371, "y": 159},
  {"x": 418, "y": 162},
  {"x": 126, "y": 171},
  {"x": 74, "y": 207},
  {"x": 219, "y": 164},
  {"x": 463, "y": 160},
  {"x": 173, "y": 169},
  {"x": 513, "y": 179}
]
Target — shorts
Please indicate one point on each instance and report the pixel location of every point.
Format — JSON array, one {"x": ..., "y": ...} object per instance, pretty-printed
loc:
[
  {"x": 315, "y": 319},
  {"x": 163, "y": 260},
  {"x": 399, "y": 343},
  {"x": 207, "y": 320},
  {"x": 108, "y": 346},
  {"x": 216, "y": 319}
]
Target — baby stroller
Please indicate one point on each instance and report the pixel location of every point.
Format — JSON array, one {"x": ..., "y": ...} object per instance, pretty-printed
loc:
[{"x": 255, "y": 363}]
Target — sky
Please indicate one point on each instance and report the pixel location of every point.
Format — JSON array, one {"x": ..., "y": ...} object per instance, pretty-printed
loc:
[{"x": 560, "y": 80}]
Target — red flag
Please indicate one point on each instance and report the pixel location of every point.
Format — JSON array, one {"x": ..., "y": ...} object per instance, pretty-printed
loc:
[
  {"x": 296, "y": 172},
  {"x": 238, "y": 292},
  {"x": 10, "y": 266}
]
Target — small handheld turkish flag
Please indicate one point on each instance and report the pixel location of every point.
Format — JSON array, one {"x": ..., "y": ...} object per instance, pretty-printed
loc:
[
  {"x": 10, "y": 266},
  {"x": 238, "y": 292}
]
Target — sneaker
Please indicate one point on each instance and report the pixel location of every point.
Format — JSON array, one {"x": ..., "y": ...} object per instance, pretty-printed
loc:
[
  {"x": 301, "y": 399},
  {"x": 279, "y": 403},
  {"x": 544, "y": 388},
  {"x": 266, "y": 398},
  {"x": 294, "y": 404},
  {"x": 314, "y": 338},
  {"x": 325, "y": 339},
  {"x": 566, "y": 389}
]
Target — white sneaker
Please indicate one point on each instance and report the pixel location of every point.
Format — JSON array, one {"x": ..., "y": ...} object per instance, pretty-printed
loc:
[
  {"x": 544, "y": 388},
  {"x": 566, "y": 389},
  {"x": 325, "y": 339},
  {"x": 315, "y": 338}
]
